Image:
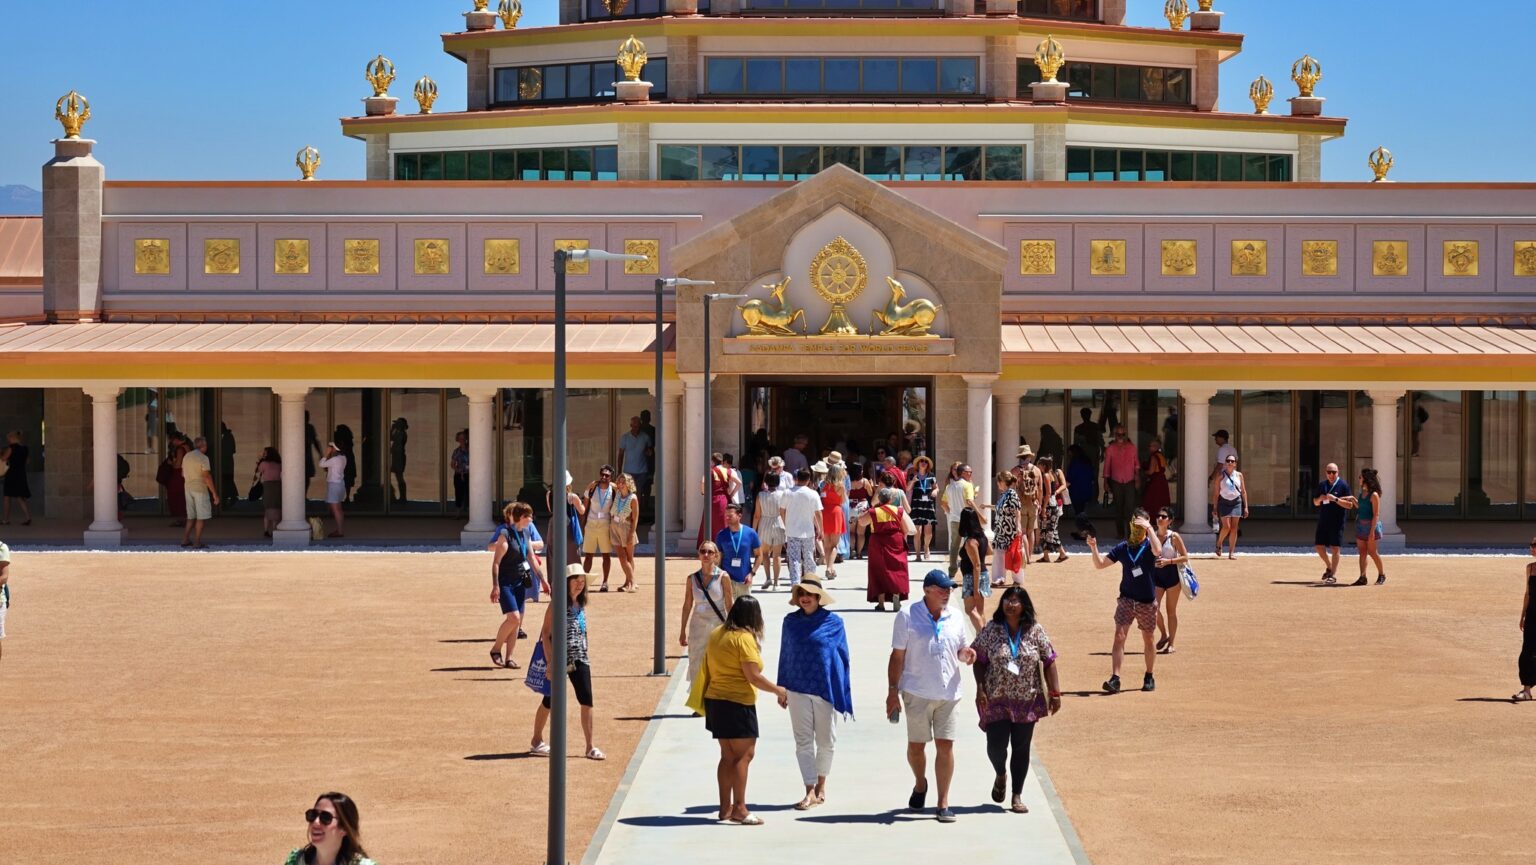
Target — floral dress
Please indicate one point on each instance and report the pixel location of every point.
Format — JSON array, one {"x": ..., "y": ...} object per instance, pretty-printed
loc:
[
  {"x": 1005, "y": 520},
  {"x": 1050, "y": 521},
  {"x": 1015, "y": 695}
]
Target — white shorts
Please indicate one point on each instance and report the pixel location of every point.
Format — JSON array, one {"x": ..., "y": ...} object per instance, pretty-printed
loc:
[
  {"x": 598, "y": 539},
  {"x": 2, "y": 621},
  {"x": 930, "y": 719},
  {"x": 199, "y": 505},
  {"x": 335, "y": 493}
]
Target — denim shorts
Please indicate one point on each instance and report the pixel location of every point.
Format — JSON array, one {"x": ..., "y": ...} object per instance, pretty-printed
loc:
[
  {"x": 512, "y": 598},
  {"x": 968, "y": 588}
]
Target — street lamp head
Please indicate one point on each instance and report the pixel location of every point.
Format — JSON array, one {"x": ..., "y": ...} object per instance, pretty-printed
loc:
[
  {"x": 601, "y": 255},
  {"x": 675, "y": 281},
  {"x": 713, "y": 296}
]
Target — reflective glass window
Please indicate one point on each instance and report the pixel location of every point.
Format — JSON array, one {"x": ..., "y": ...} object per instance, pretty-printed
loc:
[
  {"x": 923, "y": 163},
  {"x": 1207, "y": 166},
  {"x": 880, "y": 75},
  {"x": 528, "y": 165},
  {"x": 717, "y": 162},
  {"x": 849, "y": 156},
  {"x": 759, "y": 162},
  {"x": 1181, "y": 165},
  {"x": 1079, "y": 163},
  {"x": 1255, "y": 167},
  {"x": 1435, "y": 452},
  {"x": 455, "y": 165},
  {"x": 1152, "y": 84},
  {"x": 578, "y": 162},
  {"x": 578, "y": 83},
  {"x": 802, "y": 75},
  {"x": 882, "y": 163},
  {"x": 605, "y": 162},
  {"x": 1105, "y": 165},
  {"x": 480, "y": 165},
  {"x": 959, "y": 75},
  {"x": 919, "y": 75},
  {"x": 1231, "y": 166},
  {"x": 1103, "y": 82},
  {"x": 1131, "y": 164},
  {"x": 841, "y": 75},
  {"x": 1262, "y": 445},
  {"x": 1157, "y": 165},
  {"x": 1493, "y": 455},
  {"x": 1176, "y": 86},
  {"x": 678, "y": 162},
  {"x": 960, "y": 163},
  {"x": 554, "y": 82},
  {"x": 1005, "y": 162},
  {"x": 724, "y": 74},
  {"x": 504, "y": 165},
  {"x": 554, "y": 164},
  {"x": 801, "y": 162},
  {"x": 431, "y": 166},
  {"x": 1127, "y": 84},
  {"x": 765, "y": 75},
  {"x": 407, "y": 166}
]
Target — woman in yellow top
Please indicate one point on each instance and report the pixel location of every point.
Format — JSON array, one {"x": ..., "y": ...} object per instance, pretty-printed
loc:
[{"x": 732, "y": 675}]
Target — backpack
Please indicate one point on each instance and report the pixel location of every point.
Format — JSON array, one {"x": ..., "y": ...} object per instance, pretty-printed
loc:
[{"x": 1029, "y": 486}]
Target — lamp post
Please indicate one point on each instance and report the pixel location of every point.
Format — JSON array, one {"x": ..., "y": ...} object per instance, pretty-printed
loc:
[
  {"x": 709, "y": 422},
  {"x": 658, "y": 480},
  {"x": 555, "y": 665}
]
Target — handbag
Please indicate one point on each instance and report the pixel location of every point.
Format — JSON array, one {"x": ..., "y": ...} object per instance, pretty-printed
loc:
[
  {"x": 254, "y": 492},
  {"x": 1188, "y": 581},
  {"x": 537, "y": 679}
]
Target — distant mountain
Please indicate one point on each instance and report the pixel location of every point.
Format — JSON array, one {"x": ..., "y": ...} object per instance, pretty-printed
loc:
[{"x": 20, "y": 201}]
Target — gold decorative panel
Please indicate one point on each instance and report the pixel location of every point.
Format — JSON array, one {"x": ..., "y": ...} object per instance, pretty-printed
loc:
[
  {"x": 651, "y": 249},
  {"x": 1037, "y": 258},
  {"x": 360, "y": 257},
  {"x": 1525, "y": 258},
  {"x": 1319, "y": 258},
  {"x": 1389, "y": 258},
  {"x": 1250, "y": 258},
  {"x": 152, "y": 256},
  {"x": 502, "y": 257},
  {"x": 1179, "y": 258},
  {"x": 1460, "y": 257},
  {"x": 575, "y": 268},
  {"x": 290, "y": 256},
  {"x": 431, "y": 256},
  {"x": 1106, "y": 257},
  {"x": 221, "y": 256}
]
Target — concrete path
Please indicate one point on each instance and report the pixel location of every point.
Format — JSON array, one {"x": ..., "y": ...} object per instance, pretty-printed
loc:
[{"x": 666, "y": 810}]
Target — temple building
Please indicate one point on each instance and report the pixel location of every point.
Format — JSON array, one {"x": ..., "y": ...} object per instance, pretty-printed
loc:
[{"x": 944, "y": 227}]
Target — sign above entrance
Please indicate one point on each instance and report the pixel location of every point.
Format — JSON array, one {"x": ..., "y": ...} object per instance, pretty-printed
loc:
[{"x": 857, "y": 345}]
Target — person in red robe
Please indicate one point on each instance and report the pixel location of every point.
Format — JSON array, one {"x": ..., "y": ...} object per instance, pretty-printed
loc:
[{"x": 889, "y": 527}]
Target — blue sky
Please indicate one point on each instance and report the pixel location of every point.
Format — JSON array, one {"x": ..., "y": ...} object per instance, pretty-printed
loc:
[{"x": 220, "y": 90}]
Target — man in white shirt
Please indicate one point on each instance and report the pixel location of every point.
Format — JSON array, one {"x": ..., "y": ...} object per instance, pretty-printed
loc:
[
  {"x": 801, "y": 511},
  {"x": 794, "y": 458},
  {"x": 335, "y": 464},
  {"x": 197, "y": 475},
  {"x": 635, "y": 449},
  {"x": 959, "y": 494},
  {"x": 928, "y": 645},
  {"x": 601, "y": 501},
  {"x": 786, "y": 480}
]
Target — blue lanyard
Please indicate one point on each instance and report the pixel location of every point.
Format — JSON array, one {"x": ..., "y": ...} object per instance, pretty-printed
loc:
[
  {"x": 1015, "y": 643},
  {"x": 938, "y": 629},
  {"x": 522, "y": 541},
  {"x": 736, "y": 541},
  {"x": 1139, "y": 550}
]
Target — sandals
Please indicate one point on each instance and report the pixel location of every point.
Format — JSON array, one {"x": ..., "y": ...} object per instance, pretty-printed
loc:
[
  {"x": 539, "y": 750},
  {"x": 999, "y": 787},
  {"x": 513, "y": 664},
  {"x": 749, "y": 820},
  {"x": 1019, "y": 807},
  {"x": 1329, "y": 578},
  {"x": 604, "y": 588},
  {"x": 596, "y": 754},
  {"x": 1521, "y": 697},
  {"x": 496, "y": 659},
  {"x": 1380, "y": 579}
]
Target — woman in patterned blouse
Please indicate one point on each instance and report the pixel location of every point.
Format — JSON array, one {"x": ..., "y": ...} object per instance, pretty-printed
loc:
[{"x": 1013, "y": 654}]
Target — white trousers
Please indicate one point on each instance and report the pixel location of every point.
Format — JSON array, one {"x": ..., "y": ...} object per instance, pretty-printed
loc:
[{"x": 813, "y": 721}]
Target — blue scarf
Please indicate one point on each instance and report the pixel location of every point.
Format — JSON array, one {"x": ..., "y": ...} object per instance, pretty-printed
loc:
[{"x": 813, "y": 658}]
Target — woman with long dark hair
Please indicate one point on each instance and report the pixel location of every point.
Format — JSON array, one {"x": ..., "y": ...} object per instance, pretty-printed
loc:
[
  {"x": 726, "y": 690},
  {"x": 1016, "y": 685},
  {"x": 578, "y": 662},
  {"x": 334, "y": 836},
  {"x": 1165, "y": 579},
  {"x": 269, "y": 472},
  {"x": 1053, "y": 505},
  {"x": 1367, "y": 524},
  {"x": 1527, "y": 662}
]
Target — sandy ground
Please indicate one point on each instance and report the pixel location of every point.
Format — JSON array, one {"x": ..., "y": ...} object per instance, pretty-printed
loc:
[
  {"x": 165, "y": 708},
  {"x": 1298, "y": 723},
  {"x": 155, "y": 708}
]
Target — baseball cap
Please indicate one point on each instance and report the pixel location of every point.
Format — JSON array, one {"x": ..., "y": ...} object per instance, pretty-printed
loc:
[{"x": 938, "y": 578}]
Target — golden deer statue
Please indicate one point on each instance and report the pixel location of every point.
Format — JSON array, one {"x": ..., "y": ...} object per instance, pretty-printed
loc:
[
  {"x": 905, "y": 319},
  {"x": 772, "y": 317}
]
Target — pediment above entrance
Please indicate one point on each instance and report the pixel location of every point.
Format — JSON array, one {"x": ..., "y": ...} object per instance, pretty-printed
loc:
[{"x": 842, "y": 276}]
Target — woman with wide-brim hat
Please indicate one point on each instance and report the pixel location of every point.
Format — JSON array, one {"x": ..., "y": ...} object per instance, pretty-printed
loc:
[
  {"x": 578, "y": 662},
  {"x": 814, "y": 670},
  {"x": 921, "y": 489}
]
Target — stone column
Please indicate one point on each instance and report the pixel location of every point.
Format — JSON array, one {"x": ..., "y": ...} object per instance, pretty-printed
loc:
[
  {"x": 570, "y": 11},
  {"x": 478, "y": 66},
  {"x": 1309, "y": 158},
  {"x": 691, "y": 469},
  {"x": 681, "y": 7},
  {"x": 1002, "y": 68},
  {"x": 683, "y": 64},
  {"x": 1002, "y": 7},
  {"x": 105, "y": 531},
  {"x": 1050, "y": 151},
  {"x": 1386, "y": 433},
  {"x": 959, "y": 8},
  {"x": 72, "y": 232},
  {"x": 978, "y": 432},
  {"x": 725, "y": 7},
  {"x": 635, "y": 151},
  {"x": 1005, "y": 406},
  {"x": 292, "y": 532},
  {"x": 482, "y": 468},
  {"x": 377, "y": 165},
  {"x": 1207, "y": 79},
  {"x": 1195, "y": 467},
  {"x": 1113, "y": 11},
  {"x": 671, "y": 437}
]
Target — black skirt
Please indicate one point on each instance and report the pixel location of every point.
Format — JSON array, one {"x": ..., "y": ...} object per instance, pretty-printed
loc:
[{"x": 730, "y": 720}]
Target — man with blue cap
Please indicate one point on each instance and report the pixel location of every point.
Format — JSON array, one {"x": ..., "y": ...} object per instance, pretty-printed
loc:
[{"x": 928, "y": 646}]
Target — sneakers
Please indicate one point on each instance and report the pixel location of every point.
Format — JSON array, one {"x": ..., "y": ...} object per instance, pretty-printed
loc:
[
  {"x": 1148, "y": 683},
  {"x": 945, "y": 815},
  {"x": 1112, "y": 686},
  {"x": 1360, "y": 582},
  {"x": 1381, "y": 579},
  {"x": 915, "y": 801}
]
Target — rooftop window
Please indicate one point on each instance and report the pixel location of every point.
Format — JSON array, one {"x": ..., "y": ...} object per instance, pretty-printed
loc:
[
  {"x": 1106, "y": 163},
  {"x": 1076, "y": 10},
  {"x": 842, "y": 76},
  {"x": 571, "y": 82},
  {"x": 547, "y": 163},
  {"x": 1112, "y": 82},
  {"x": 880, "y": 6},
  {"x": 597, "y": 11},
  {"x": 935, "y": 162}
]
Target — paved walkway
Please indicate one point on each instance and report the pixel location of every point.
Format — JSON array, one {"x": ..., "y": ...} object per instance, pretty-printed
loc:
[{"x": 667, "y": 813}]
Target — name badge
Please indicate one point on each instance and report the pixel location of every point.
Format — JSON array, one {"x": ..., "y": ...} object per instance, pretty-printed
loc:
[
  {"x": 1013, "y": 668},
  {"x": 526, "y": 567},
  {"x": 1136, "y": 571},
  {"x": 735, "y": 563}
]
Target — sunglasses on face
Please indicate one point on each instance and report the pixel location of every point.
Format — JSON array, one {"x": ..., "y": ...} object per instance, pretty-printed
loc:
[
  {"x": 706, "y": 553},
  {"x": 1165, "y": 516},
  {"x": 1331, "y": 472},
  {"x": 326, "y": 818},
  {"x": 1231, "y": 462}
]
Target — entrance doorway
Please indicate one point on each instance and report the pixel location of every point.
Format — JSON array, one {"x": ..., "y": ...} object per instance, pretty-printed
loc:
[{"x": 855, "y": 417}]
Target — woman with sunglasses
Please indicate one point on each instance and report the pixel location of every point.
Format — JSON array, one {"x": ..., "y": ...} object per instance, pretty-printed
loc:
[
  {"x": 1229, "y": 494},
  {"x": 1165, "y": 579},
  {"x": 1016, "y": 685},
  {"x": 706, "y": 605},
  {"x": 333, "y": 834},
  {"x": 624, "y": 528}
]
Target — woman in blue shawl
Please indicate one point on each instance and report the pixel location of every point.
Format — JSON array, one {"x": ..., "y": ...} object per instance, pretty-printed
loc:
[{"x": 813, "y": 668}]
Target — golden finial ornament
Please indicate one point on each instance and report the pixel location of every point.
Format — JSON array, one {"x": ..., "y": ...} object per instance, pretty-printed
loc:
[
  {"x": 1049, "y": 57},
  {"x": 426, "y": 94},
  {"x": 307, "y": 161},
  {"x": 1380, "y": 161},
  {"x": 1177, "y": 12},
  {"x": 510, "y": 11},
  {"x": 1261, "y": 92},
  {"x": 1205, "y": 5},
  {"x": 632, "y": 58},
  {"x": 72, "y": 110},
  {"x": 615, "y": 7},
  {"x": 380, "y": 73},
  {"x": 1306, "y": 72},
  {"x": 480, "y": 5}
]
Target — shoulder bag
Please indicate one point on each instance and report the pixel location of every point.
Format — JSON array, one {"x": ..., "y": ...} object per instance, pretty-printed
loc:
[
  {"x": 699, "y": 578},
  {"x": 1187, "y": 580}
]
